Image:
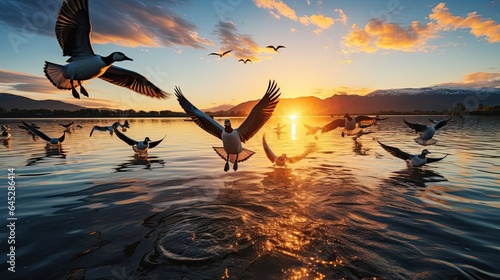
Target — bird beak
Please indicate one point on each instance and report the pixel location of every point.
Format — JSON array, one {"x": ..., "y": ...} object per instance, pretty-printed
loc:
[{"x": 127, "y": 58}]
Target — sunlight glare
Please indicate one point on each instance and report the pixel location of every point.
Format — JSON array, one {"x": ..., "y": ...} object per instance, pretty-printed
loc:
[{"x": 293, "y": 117}]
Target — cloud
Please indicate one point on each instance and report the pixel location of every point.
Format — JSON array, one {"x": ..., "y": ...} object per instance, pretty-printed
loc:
[
  {"x": 321, "y": 21},
  {"x": 477, "y": 80},
  {"x": 478, "y": 26},
  {"x": 243, "y": 45},
  {"x": 127, "y": 23},
  {"x": 343, "y": 18},
  {"x": 18, "y": 81}
]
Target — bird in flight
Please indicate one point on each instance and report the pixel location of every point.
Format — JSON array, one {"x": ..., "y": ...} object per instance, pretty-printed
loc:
[
  {"x": 51, "y": 142},
  {"x": 140, "y": 147},
  {"x": 221, "y": 54},
  {"x": 349, "y": 124},
  {"x": 245, "y": 60},
  {"x": 427, "y": 132},
  {"x": 411, "y": 160},
  {"x": 275, "y": 48},
  {"x": 109, "y": 128},
  {"x": 232, "y": 150},
  {"x": 73, "y": 30},
  {"x": 283, "y": 159}
]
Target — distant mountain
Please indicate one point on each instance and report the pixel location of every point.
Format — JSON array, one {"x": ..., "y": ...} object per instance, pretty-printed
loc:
[
  {"x": 395, "y": 100},
  {"x": 10, "y": 101},
  {"x": 223, "y": 107}
]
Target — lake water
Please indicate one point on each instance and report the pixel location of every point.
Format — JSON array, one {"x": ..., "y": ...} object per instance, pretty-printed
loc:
[{"x": 349, "y": 210}]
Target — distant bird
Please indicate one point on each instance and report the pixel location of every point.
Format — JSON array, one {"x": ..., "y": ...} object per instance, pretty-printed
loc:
[
  {"x": 28, "y": 129},
  {"x": 275, "y": 48},
  {"x": 140, "y": 147},
  {"x": 283, "y": 159},
  {"x": 245, "y": 60},
  {"x": 73, "y": 31},
  {"x": 427, "y": 132},
  {"x": 312, "y": 130},
  {"x": 50, "y": 141},
  {"x": 109, "y": 128},
  {"x": 232, "y": 149},
  {"x": 5, "y": 135},
  {"x": 278, "y": 128},
  {"x": 411, "y": 160},
  {"x": 68, "y": 126},
  {"x": 79, "y": 126},
  {"x": 222, "y": 54},
  {"x": 349, "y": 124}
]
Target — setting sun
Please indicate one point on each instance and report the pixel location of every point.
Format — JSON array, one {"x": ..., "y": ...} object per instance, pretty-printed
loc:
[{"x": 293, "y": 117}]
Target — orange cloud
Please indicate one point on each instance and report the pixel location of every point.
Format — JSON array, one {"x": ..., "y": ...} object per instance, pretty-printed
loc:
[
  {"x": 343, "y": 17},
  {"x": 478, "y": 27},
  {"x": 477, "y": 80},
  {"x": 277, "y": 8},
  {"x": 243, "y": 45},
  {"x": 320, "y": 21}
]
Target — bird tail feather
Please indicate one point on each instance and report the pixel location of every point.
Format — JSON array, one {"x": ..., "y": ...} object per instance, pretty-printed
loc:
[
  {"x": 242, "y": 156},
  {"x": 425, "y": 142},
  {"x": 55, "y": 74}
]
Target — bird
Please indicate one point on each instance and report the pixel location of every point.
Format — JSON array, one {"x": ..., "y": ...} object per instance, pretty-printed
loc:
[
  {"x": 245, "y": 60},
  {"x": 232, "y": 138},
  {"x": 5, "y": 135},
  {"x": 68, "y": 126},
  {"x": 312, "y": 130},
  {"x": 222, "y": 54},
  {"x": 50, "y": 141},
  {"x": 275, "y": 48},
  {"x": 349, "y": 124},
  {"x": 140, "y": 147},
  {"x": 109, "y": 128},
  {"x": 427, "y": 132},
  {"x": 73, "y": 30},
  {"x": 283, "y": 159},
  {"x": 417, "y": 160},
  {"x": 28, "y": 129}
]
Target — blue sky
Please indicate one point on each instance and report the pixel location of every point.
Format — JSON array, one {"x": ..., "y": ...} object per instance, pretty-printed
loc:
[{"x": 332, "y": 47}]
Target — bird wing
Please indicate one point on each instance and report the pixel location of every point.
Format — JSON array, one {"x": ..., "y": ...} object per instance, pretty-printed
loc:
[
  {"x": 61, "y": 139},
  {"x": 442, "y": 123},
  {"x": 100, "y": 128},
  {"x": 214, "y": 54},
  {"x": 280, "y": 46},
  {"x": 153, "y": 144},
  {"x": 417, "y": 127},
  {"x": 260, "y": 113},
  {"x": 124, "y": 137},
  {"x": 429, "y": 160},
  {"x": 241, "y": 59},
  {"x": 364, "y": 119},
  {"x": 37, "y": 132},
  {"x": 132, "y": 80},
  {"x": 248, "y": 60},
  {"x": 201, "y": 119},
  {"x": 73, "y": 29},
  {"x": 395, "y": 152},
  {"x": 226, "y": 52},
  {"x": 332, "y": 125},
  {"x": 311, "y": 129},
  {"x": 270, "y": 155},
  {"x": 301, "y": 156},
  {"x": 272, "y": 47}
]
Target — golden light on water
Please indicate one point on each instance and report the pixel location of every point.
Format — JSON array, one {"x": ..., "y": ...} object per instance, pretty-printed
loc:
[{"x": 294, "y": 131}]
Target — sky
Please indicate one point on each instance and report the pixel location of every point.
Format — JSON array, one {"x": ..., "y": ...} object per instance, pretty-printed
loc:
[{"x": 331, "y": 47}]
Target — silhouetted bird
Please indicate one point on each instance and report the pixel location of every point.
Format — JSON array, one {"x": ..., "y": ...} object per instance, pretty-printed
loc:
[
  {"x": 275, "y": 48},
  {"x": 411, "y": 160},
  {"x": 221, "y": 55},
  {"x": 245, "y": 60}
]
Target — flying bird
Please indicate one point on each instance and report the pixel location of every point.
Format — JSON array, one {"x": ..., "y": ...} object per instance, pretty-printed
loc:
[
  {"x": 221, "y": 54},
  {"x": 283, "y": 159},
  {"x": 312, "y": 130},
  {"x": 50, "y": 141},
  {"x": 245, "y": 60},
  {"x": 140, "y": 147},
  {"x": 417, "y": 160},
  {"x": 275, "y": 48},
  {"x": 349, "y": 124},
  {"x": 232, "y": 150},
  {"x": 427, "y": 132},
  {"x": 73, "y": 29},
  {"x": 109, "y": 128}
]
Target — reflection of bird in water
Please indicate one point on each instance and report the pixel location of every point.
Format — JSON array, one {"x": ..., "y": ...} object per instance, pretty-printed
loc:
[
  {"x": 109, "y": 128},
  {"x": 416, "y": 160},
  {"x": 312, "y": 130},
  {"x": 220, "y": 54},
  {"x": 28, "y": 129},
  {"x": 427, "y": 132},
  {"x": 415, "y": 177},
  {"x": 278, "y": 130},
  {"x": 358, "y": 147},
  {"x": 275, "y": 48},
  {"x": 49, "y": 153},
  {"x": 140, "y": 147},
  {"x": 232, "y": 150},
  {"x": 139, "y": 160},
  {"x": 52, "y": 142},
  {"x": 73, "y": 31},
  {"x": 370, "y": 122},
  {"x": 283, "y": 159},
  {"x": 349, "y": 124},
  {"x": 245, "y": 60},
  {"x": 79, "y": 126},
  {"x": 5, "y": 135}
]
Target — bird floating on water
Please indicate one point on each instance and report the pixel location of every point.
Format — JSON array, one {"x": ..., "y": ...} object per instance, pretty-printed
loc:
[
  {"x": 245, "y": 60},
  {"x": 232, "y": 150},
  {"x": 140, "y": 147},
  {"x": 5, "y": 135},
  {"x": 51, "y": 141},
  {"x": 283, "y": 159},
  {"x": 427, "y": 132},
  {"x": 350, "y": 125},
  {"x": 417, "y": 160},
  {"x": 109, "y": 128},
  {"x": 221, "y": 54},
  {"x": 73, "y": 29},
  {"x": 275, "y": 48}
]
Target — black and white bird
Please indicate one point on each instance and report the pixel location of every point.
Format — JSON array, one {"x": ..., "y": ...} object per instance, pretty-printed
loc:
[
  {"x": 416, "y": 160},
  {"x": 221, "y": 54},
  {"x": 140, "y": 147},
  {"x": 73, "y": 31},
  {"x": 349, "y": 124},
  {"x": 109, "y": 128},
  {"x": 52, "y": 142},
  {"x": 232, "y": 150},
  {"x": 275, "y": 48},
  {"x": 245, "y": 60},
  {"x": 5, "y": 135},
  {"x": 283, "y": 159},
  {"x": 427, "y": 132}
]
